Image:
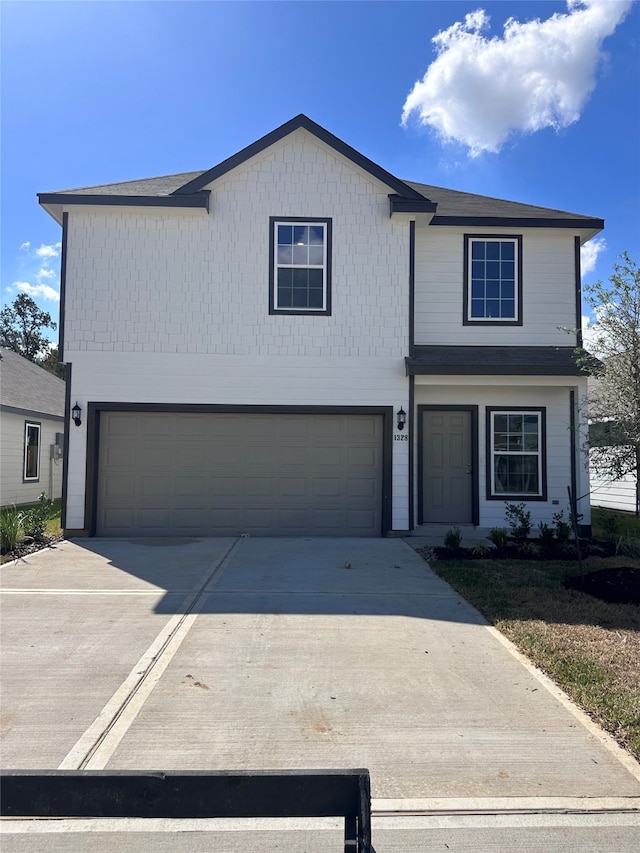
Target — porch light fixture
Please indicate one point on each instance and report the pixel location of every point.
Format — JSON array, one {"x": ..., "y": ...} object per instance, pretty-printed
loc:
[
  {"x": 402, "y": 418},
  {"x": 75, "y": 414}
]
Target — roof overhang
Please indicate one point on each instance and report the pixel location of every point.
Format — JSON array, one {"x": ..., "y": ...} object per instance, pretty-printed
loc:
[
  {"x": 56, "y": 203},
  {"x": 493, "y": 361},
  {"x": 585, "y": 228}
]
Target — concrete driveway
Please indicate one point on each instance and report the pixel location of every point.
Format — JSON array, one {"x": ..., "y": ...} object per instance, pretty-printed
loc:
[{"x": 296, "y": 653}]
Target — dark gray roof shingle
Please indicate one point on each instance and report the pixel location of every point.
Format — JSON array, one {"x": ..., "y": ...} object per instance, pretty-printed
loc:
[
  {"x": 482, "y": 360},
  {"x": 457, "y": 203},
  {"x": 24, "y": 385}
]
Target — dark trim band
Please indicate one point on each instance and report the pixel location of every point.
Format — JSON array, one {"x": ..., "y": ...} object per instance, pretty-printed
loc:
[
  {"x": 197, "y": 200},
  {"x": 519, "y": 222},
  {"x": 63, "y": 285}
]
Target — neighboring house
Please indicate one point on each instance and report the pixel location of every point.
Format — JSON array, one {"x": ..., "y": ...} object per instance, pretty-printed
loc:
[
  {"x": 243, "y": 343},
  {"x": 31, "y": 430},
  {"x": 613, "y": 494},
  {"x": 608, "y": 490}
]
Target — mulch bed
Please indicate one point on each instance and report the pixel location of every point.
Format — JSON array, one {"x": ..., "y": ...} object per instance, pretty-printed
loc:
[
  {"x": 616, "y": 585},
  {"x": 26, "y": 547}
]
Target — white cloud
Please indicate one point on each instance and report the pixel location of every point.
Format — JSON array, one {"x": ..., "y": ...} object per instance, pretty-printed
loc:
[
  {"x": 24, "y": 247},
  {"x": 51, "y": 251},
  {"x": 589, "y": 254},
  {"x": 540, "y": 74},
  {"x": 43, "y": 272},
  {"x": 44, "y": 291}
]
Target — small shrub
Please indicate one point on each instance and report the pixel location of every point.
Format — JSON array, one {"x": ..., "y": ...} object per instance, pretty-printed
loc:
[
  {"x": 562, "y": 528},
  {"x": 481, "y": 551},
  {"x": 546, "y": 535},
  {"x": 528, "y": 550},
  {"x": 35, "y": 520},
  {"x": 10, "y": 528},
  {"x": 453, "y": 539},
  {"x": 498, "y": 535},
  {"x": 519, "y": 521}
]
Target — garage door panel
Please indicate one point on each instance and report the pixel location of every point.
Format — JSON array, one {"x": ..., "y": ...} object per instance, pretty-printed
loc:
[
  {"x": 154, "y": 518},
  {"x": 159, "y": 426},
  {"x": 327, "y": 487},
  {"x": 119, "y": 486},
  {"x": 224, "y": 474},
  {"x": 293, "y": 487},
  {"x": 190, "y": 487},
  {"x": 123, "y": 456},
  {"x": 364, "y": 457},
  {"x": 361, "y": 487},
  {"x": 328, "y": 457},
  {"x": 364, "y": 426}
]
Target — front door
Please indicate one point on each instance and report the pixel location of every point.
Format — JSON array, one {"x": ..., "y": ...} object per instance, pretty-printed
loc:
[{"x": 446, "y": 470}]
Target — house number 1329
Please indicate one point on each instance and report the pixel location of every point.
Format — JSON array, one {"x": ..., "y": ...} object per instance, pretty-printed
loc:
[{"x": 401, "y": 436}]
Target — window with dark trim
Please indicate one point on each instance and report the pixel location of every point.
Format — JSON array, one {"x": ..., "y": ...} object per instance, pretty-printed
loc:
[
  {"x": 493, "y": 279},
  {"x": 31, "y": 451},
  {"x": 300, "y": 266},
  {"x": 516, "y": 465}
]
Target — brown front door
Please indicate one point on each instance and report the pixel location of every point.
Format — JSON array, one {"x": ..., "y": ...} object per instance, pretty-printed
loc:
[{"x": 447, "y": 475}]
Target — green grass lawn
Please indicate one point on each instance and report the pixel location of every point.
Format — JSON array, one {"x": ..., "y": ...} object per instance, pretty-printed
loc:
[
  {"x": 602, "y": 520},
  {"x": 589, "y": 647}
]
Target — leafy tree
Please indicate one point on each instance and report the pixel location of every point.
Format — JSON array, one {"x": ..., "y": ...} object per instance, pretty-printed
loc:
[
  {"x": 614, "y": 400},
  {"x": 21, "y": 328},
  {"x": 52, "y": 364}
]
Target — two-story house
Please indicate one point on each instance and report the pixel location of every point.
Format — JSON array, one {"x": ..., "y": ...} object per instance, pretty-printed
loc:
[{"x": 296, "y": 342}]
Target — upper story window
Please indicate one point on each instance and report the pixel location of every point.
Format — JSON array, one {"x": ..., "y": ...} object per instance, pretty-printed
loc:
[
  {"x": 300, "y": 272},
  {"x": 493, "y": 280},
  {"x": 31, "y": 451},
  {"x": 515, "y": 454}
]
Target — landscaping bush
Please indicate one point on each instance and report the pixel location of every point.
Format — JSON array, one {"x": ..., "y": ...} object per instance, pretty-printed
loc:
[{"x": 10, "y": 528}]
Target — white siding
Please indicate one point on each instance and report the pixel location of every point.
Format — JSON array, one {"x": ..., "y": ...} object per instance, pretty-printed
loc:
[
  {"x": 149, "y": 280},
  {"x": 556, "y": 400},
  {"x": 172, "y": 306},
  {"x": 613, "y": 494},
  {"x": 12, "y": 488},
  {"x": 549, "y": 297}
]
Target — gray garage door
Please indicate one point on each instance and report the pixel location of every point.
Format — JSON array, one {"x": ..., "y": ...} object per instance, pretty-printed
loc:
[{"x": 168, "y": 473}]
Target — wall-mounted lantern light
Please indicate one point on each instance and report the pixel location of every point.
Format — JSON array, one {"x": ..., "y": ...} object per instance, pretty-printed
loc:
[
  {"x": 402, "y": 418},
  {"x": 76, "y": 412}
]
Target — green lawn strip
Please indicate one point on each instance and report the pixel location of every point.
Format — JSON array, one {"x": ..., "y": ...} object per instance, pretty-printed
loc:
[
  {"x": 590, "y": 648},
  {"x": 627, "y": 523}
]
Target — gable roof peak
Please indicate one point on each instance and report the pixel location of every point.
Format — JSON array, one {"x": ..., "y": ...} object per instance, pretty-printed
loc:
[{"x": 274, "y": 136}]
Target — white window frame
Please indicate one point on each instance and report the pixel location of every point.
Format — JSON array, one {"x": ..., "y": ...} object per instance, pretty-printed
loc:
[
  {"x": 30, "y": 425},
  {"x": 516, "y": 241},
  {"x": 276, "y": 265},
  {"x": 492, "y": 453}
]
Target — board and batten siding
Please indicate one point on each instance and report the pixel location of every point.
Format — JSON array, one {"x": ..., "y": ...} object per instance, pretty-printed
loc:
[
  {"x": 556, "y": 399},
  {"x": 549, "y": 296},
  {"x": 13, "y": 489}
]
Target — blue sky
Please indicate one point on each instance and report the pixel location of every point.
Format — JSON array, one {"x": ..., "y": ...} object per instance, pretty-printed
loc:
[{"x": 545, "y": 112}]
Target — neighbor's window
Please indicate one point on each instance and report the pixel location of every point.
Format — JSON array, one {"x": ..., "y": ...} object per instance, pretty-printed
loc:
[
  {"x": 516, "y": 453},
  {"x": 300, "y": 274},
  {"x": 493, "y": 287},
  {"x": 31, "y": 451}
]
